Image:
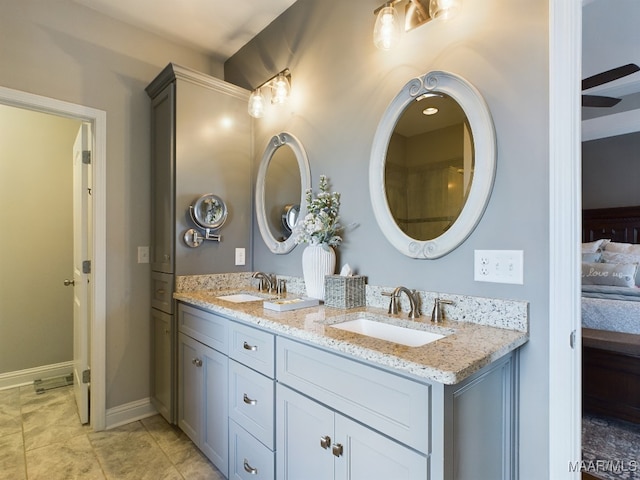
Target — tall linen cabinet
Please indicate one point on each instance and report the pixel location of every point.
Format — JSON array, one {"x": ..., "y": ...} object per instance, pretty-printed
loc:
[{"x": 201, "y": 143}]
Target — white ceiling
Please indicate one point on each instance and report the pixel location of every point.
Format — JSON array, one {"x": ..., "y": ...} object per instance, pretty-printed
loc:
[{"x": 217, "y": 27}]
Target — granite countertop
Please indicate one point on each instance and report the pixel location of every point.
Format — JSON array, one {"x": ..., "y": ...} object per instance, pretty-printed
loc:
[{"x": 466, "y": 349}]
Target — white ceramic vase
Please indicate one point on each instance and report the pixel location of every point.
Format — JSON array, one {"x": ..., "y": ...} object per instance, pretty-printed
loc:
[{"x": 317, "y": 261}]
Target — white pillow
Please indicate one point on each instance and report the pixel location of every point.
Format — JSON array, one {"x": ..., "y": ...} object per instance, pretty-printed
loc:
[
  {"x": 593, "y": 247},
  {"x": 614, "y": 274},
  {"x": 628, "y": 248},
  {"x": 625, "y": 258}
]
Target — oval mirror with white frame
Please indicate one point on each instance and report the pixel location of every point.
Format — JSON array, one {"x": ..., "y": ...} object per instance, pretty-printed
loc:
[
  {"x": 432, "y": 165},
  {"x": 283, "y": 177}
]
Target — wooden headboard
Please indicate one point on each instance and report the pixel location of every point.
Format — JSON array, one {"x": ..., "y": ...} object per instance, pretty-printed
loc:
[{"x": 620, "y": 224}]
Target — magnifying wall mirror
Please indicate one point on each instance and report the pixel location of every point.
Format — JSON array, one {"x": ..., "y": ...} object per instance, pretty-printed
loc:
[
  {"x": 432, "y": 165},
  {"x": 283, "y": 177}
]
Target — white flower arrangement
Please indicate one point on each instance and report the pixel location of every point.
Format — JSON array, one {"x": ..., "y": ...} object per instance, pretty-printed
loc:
[{"x": 320, "y": 225}]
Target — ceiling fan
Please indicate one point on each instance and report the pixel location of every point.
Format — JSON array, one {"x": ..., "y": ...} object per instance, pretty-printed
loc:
[{"x": 602, "y": 78}]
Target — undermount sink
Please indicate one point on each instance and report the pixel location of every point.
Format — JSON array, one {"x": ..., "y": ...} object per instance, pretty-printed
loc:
[
  {"x": 392, "y": 333},
  {"x": 240, "y": 298}
]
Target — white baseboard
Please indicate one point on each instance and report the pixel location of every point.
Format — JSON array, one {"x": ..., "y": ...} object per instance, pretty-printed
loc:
[
  {"x": 129, "y": 412},
  {"x": 20, "y": 378}
]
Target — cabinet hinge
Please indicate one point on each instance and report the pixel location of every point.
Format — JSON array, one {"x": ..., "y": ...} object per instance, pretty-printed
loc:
[
  {"x": 86, "y": 157},
  {"x": 86, "y": 266},
  {"x": 86, "y": 376}
]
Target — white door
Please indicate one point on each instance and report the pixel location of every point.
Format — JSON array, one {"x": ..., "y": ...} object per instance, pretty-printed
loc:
[{"x": 81, "y": 276}]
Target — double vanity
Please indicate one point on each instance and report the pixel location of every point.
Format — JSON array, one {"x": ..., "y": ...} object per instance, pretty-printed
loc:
[{"x": 321, "y": 392}]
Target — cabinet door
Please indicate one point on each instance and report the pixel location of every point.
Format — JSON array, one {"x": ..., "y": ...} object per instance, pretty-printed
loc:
[
  {"x": 302, "y": 425},
  {"x": 161, "y": 361},
  {"x": 214, "y": 407},
  {"x": 190, "y": 396},
  {"x": 363, "y": 454},
  {"x": 163, "y": 180}
]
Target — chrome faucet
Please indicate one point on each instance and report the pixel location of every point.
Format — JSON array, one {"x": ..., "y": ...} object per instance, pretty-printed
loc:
[
  {"x": 437, "y": 315},
  {"x": 414, "y": 311},
  {"x": 266, "y": 280}
]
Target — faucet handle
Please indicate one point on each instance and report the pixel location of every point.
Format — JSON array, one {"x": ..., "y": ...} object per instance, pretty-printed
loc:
[
  {"x": 393, "y": 303},
  {"x": 437, "y": 315}
]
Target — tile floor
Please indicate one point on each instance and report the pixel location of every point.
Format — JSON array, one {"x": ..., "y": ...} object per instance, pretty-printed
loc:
[{"x": 41, "y": 438}]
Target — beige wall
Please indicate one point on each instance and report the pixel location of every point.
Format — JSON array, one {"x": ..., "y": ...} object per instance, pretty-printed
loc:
[
  {"x": 63, "y": 50},
  {"x": 36, "y": 214}
]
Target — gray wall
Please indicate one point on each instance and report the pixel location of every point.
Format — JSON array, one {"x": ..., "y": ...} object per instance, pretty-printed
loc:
[
  {"x": 341, "y": 86},
  {"x": 66, "y": 51},
  {"x": 611, "y": 172}
]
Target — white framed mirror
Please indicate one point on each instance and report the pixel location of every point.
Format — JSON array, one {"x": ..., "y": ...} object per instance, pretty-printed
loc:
[
  {"x": 432, "y": 165},
  {"x": 283, "y": 177}
]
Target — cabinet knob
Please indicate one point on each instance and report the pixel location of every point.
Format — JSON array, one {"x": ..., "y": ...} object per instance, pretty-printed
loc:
[
  {"x": 325, "y": 442},
  {"x": 337, "y": 449},
  {"x": 252, "y": 348},
  {"x": 249, "y": 469},
  {"x": 197, "y": 362},
  {"x": 248, "y": 401}
]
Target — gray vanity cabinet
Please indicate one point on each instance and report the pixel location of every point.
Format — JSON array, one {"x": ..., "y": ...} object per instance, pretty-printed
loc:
[
  {"x": 200, "y": 143},
  {"x": 342, "y": 419},
  {"x": 315, "y": 442},
  {"x": 203, "y": 382}
]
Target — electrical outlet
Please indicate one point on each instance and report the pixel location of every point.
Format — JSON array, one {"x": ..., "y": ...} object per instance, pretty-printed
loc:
[
  {"x": 499, "y": 266},
  {"x": 143, "y": 254},
  {"x": 240, "y": 256}
]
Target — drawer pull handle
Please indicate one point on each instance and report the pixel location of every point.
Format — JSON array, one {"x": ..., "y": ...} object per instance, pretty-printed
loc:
[
  {"x": 160, "y": 291},
  {"x": 337, "y": 449},
  {"x": 249, "y": 401},
  {"x": 325, "y": 442},
  {"x": 252, "y": 348},
  {"x": 249, "y": 469},
  {"x": 197, "y": 362}
]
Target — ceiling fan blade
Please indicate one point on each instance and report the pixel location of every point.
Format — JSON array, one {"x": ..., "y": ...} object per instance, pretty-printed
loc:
[
  {"x": 609, "y": 75},
  {"x": 599, "y": 101}
]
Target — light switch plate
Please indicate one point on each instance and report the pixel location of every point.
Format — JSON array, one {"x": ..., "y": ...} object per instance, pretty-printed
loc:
[
  {"x": 499, "y": 266},
  {"x": 143, "y": 254},
  {"x": 240, "y": 256}
]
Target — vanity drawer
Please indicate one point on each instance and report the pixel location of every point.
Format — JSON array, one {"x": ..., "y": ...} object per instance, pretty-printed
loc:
[
  {"x": 252, "y": 402},
  {"x": 391, "y": 404},
  {"x": 252, "y": 347},
  {"x": 162, "y": 291},
  {"x": 248, "y": 458},
  {"x": 206, "y": 327}
]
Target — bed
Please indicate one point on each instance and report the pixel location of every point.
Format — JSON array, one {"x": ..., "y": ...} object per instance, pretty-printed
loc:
[{"x": 611, "y": 312}]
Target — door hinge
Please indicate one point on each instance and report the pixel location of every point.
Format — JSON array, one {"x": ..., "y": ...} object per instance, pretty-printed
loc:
[
  {"x": 572, "y": 339},
  {"x": 86, "y": 157},
  {"x": 86, "y": 376},
  {"x": 86, "y": 266}
]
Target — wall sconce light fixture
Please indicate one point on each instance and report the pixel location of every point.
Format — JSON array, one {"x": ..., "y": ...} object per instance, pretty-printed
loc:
[
  {"x": 386, "y": 32},
  {"x": 279, "y": 86}
]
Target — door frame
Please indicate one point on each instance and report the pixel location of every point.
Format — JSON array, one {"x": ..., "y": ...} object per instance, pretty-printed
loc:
[
  {"x": 98, "y": 287},
  {"x": 565, "y": 205}
]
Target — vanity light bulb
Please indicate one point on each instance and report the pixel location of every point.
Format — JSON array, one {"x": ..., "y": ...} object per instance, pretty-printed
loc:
[
  {"x": 256, "y": 104},
  {"x": 444, "y": 9},
  {"x": 386, "y": 32},
  {"x": 281, "y": 89}
]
